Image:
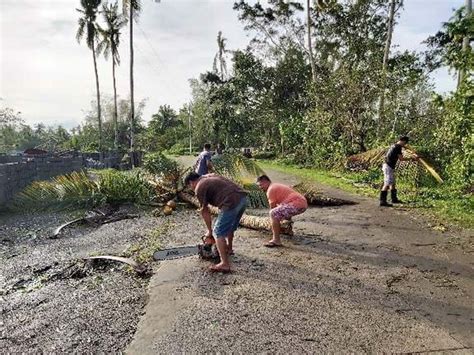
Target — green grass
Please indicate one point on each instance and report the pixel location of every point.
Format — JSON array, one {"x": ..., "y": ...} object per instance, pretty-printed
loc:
[{"x": 445, "y": 204}]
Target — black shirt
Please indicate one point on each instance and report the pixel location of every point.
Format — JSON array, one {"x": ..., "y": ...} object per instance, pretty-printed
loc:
[{"x": 392, "y": 155}]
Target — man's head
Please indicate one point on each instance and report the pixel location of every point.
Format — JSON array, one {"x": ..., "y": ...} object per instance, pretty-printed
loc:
[
  {"x": 263, "y": 182},
  {"x": 191, "y": 180},
  {"x": 403, "y": 140},
  {"x": 207, "y": 146}
]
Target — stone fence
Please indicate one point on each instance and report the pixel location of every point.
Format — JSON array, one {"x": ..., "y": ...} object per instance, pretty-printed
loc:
[{"x": 17, "y": 172}]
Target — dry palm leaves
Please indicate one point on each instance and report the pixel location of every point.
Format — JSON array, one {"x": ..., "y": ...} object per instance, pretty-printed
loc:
[
  {"x": 315, "y": 197},
  {"x": 375, "y": 157}
]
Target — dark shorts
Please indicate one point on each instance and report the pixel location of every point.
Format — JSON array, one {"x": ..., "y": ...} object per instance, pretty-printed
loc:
[
  {"x": 285, "y": 212},
  {"x": 228, "y": 221}
]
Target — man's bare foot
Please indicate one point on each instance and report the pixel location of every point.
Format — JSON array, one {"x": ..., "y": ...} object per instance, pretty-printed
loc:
[
  {"x": 272, "y": 244},
  {"x": 225, "y": 269}
]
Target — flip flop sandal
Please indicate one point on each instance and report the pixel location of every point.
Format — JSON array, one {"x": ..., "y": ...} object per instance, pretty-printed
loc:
[
  {"x": 214, "y": 269},
  {"x": 272, "y": 245}
]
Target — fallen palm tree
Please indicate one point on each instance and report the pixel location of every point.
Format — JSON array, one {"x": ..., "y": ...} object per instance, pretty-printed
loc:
[
  {"x": 315, "y": 197},
  {"x": 252, "y": 222}
]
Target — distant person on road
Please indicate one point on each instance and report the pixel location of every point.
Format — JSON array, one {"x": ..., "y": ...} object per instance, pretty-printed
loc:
[
  {"x": 284, "y": 204},
  {"x": 393, "y": 155},
  {"x": 203, "y": 163},
  {"x": 231, "y": 200}
]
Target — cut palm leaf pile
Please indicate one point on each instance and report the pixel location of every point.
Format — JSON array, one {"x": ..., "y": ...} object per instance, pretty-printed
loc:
[{"x": 375, "y": 157}]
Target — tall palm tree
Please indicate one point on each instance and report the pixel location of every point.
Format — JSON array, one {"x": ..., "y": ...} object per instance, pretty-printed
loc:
[
  {"x": 88, "y": 27},
  {"x": 131, "y": 9},
  {"x": 109, "y": 46},
  {"x": 219, "y": 58}
]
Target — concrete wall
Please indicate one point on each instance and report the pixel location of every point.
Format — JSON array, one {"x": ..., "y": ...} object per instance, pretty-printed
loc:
[{"x": 17, "y": 172}]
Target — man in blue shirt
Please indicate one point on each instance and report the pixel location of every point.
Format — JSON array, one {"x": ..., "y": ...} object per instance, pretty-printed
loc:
[{"x": 203, "y": 164}]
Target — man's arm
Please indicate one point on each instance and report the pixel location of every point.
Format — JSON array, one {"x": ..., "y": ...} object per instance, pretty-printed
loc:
[{"x": 206, "y": 216}]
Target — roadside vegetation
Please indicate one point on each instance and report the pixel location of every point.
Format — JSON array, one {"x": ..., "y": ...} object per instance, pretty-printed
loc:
[
  {"x": 446, "y": 204},
  {"x": 310, "y": 93}
]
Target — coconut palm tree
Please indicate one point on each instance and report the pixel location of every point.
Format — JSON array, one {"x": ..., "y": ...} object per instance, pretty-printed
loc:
[
  {"x": 131, "y": 9},
  {"x": 219, "y": 58},
  {"x": 109, "y": 46},
  {"x": 88, "y": 27}
]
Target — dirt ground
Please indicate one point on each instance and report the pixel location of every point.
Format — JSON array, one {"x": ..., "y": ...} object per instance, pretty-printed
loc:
[
  {"x": 51, "y": 301},
  {"x": 353, "y": 279}
]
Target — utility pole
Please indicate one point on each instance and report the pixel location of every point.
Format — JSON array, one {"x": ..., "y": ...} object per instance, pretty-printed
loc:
[
  {"x": 190, "y": 131},
  {"x": 388, "y": 43}
]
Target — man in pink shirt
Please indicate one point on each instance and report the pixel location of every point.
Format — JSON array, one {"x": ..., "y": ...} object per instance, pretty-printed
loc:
[{"x": 284, "y": 204}]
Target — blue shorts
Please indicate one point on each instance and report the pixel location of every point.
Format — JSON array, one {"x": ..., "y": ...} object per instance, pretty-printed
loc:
[{"x": 228, "y": 221}]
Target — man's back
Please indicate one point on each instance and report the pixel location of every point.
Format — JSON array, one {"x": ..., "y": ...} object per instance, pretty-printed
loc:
[
  {"x": 281, "y": 194},
  {"x": 218, "y": 191},
  {"x": 202, "y": 162}
]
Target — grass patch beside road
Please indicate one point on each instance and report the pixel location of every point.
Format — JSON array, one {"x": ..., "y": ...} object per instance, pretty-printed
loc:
[{"x": 443, "y": 203}]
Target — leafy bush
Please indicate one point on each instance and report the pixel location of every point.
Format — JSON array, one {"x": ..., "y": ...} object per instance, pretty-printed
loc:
[
  {"x": 124, "y": 186},
  {"x": 178, "y": 149},
  {"x": 159, "y": 164}
]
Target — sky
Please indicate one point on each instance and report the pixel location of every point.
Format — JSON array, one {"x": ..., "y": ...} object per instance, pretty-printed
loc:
[{"x": 47, "y": 76}]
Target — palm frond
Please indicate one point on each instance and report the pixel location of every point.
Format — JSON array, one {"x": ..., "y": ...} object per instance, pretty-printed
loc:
[
  {"x": 236, "y": 166},
  {"x": 255, "y": 196},
  {"x": 65, "y": 191},
  {"x": 427, "y": 166}
]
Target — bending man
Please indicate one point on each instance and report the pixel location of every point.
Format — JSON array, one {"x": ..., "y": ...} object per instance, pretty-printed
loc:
[
  {"x": 231, "y": 200},
  {"x": 284, "y": 204},
  {"x": 391, "y": 158}
]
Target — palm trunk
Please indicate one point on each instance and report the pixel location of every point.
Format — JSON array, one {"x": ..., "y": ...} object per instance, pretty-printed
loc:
[
  {"x": 465, "y": 43},
  {"x": 386, "y": 53},
  {"x": 252, "y": 222},
  {"x": 98, "y": 100},
  {"x": 115, "y": 107},
  {"x": 132, "y": 103},
  {"x": 310, "y": 46}
]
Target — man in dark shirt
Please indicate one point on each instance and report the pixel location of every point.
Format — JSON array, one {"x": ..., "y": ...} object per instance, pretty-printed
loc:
[
  {"x": 391, "y": 158},
  {"x": 231, "y": 200}
]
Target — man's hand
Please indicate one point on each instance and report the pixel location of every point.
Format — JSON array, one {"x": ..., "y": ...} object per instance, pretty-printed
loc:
[{"x": 415, "y": 157}]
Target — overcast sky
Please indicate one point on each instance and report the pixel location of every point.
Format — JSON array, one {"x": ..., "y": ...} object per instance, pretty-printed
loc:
[{"x": 49, "y": 77}]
